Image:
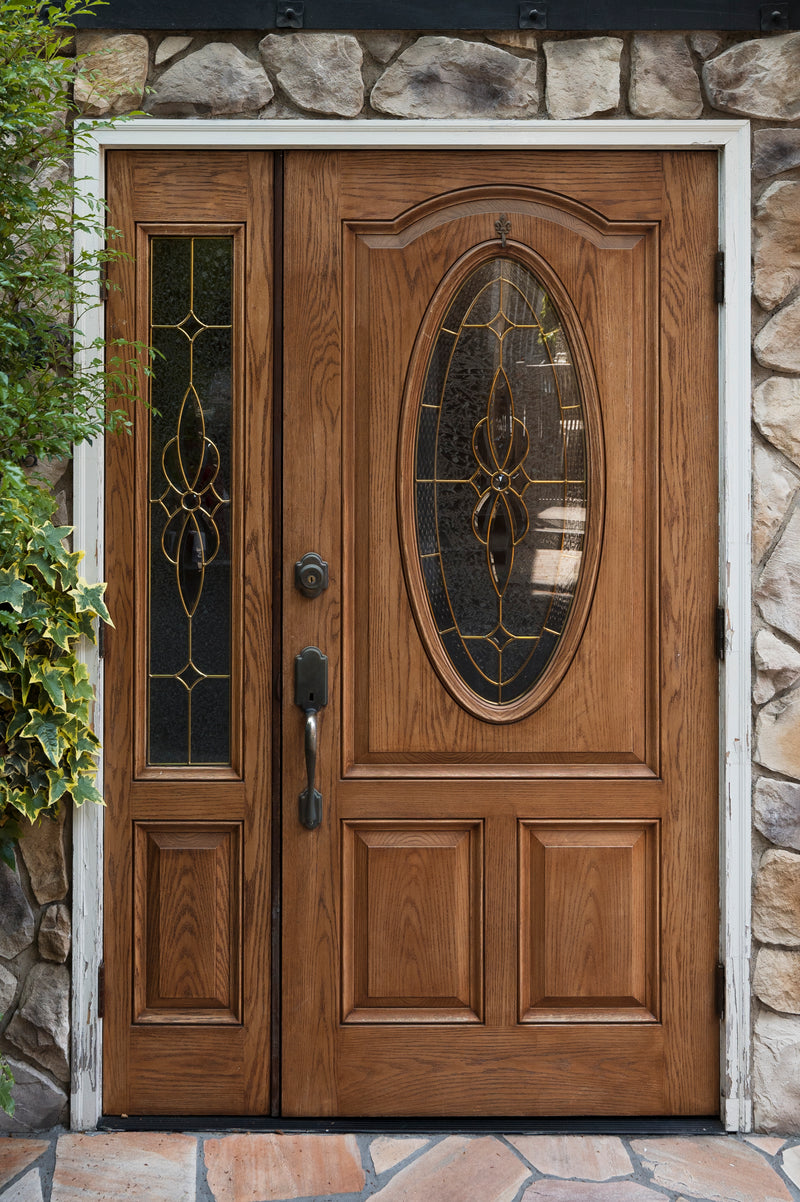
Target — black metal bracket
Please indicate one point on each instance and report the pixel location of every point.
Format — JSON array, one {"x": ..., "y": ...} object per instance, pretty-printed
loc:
[
  {"x": 533, "y": 16},
  {"x": 719, "y": 632},
  {"x": 774, "y": 16},
  {"x": 289, "y": 14}
]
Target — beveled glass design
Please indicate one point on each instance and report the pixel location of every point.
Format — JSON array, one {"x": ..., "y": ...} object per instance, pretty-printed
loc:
[
  {"x": 191, "y": 330},
  {"x": 500, "y": 485}
]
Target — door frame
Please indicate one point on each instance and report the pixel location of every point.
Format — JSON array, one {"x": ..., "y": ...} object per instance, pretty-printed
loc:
[{"x": 732, "y": 141}]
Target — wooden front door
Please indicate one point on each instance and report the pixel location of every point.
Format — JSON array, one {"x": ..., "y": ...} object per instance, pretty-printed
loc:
[{"x": 497, "y": 411}]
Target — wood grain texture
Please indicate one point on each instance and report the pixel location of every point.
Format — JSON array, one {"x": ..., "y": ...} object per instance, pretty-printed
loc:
[
  {"x": 412, "y": 937},
  {"x": 608, "y": 752},
  {"x": 188, "y": 949},
  {"x": 187, "y": 923},
  {"x": 388, "y": 290},
  {"x": 589, "y": 922}
]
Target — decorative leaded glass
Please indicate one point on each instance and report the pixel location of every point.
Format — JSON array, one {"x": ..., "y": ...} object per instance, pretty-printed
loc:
[
  {"x": 190, "y": 479},
  {"x": 500, "y": 480}
]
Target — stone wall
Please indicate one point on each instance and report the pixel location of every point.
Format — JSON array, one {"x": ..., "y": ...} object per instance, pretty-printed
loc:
[
  {"x": 35, "y": 939},
  {"x": 527, "y": 75}
]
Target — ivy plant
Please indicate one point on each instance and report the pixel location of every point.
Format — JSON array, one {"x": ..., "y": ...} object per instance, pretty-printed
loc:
[{"x": 58, "y": 387}]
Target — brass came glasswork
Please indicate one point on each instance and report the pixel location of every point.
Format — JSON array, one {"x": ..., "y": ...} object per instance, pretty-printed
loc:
[
  {"x": 500, "y": 486},
  {"x": 190, "y": 328}
]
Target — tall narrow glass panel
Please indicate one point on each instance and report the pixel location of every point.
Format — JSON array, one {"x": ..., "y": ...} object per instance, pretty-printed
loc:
[{"x": 191, "y": 429}]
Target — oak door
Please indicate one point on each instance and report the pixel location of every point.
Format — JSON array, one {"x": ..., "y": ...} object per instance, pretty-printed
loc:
[
  {"x": 189, "y": 712},
  {"x": 500, "y": 432},
  {"x": 493, "y": 414}
]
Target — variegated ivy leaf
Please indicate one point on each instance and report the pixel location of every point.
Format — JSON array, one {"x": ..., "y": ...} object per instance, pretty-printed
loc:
[
  {"x": 89, "y": 597},
  {"x": 12, "y": 589},
  {"x": 52, "y": 680},
  {"x": 46, "y": 731},
  {"x": 83, "y": 790}
]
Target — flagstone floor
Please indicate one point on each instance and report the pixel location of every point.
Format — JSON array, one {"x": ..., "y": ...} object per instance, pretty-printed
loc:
[{"x": 250, "y": 1167}]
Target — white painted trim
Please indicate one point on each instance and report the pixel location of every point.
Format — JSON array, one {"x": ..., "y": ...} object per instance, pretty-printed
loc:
[
  {"x": 87, "y": 827},
  {"x": 732, "y": 140}
]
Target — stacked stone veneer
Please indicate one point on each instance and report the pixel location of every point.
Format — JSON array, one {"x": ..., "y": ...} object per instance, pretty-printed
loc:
[
  {"x": 520, "y": 75},
  {"x": 35, "y": 939}
]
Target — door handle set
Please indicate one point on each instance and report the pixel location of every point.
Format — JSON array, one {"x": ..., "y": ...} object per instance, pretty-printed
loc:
[{"x": 310, "y": 695}]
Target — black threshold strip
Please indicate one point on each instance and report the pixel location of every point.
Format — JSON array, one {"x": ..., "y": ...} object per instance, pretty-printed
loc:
[{"x": 420, "y": 1126}]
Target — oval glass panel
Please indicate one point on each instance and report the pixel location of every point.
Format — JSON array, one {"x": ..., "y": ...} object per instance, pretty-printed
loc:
[{"x": 501, "y": 480}]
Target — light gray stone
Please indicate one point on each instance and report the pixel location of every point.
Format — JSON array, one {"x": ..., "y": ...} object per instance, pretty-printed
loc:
[
  {"x": 776, "y": 1073},
  {"x": 16, "y": 916},
  {"x": 664, "y": 82},
  {"x": 40, "y": 1026},
  {"x": 217, "y": 79},
  {"x": 705, "y": 43},
  {"x": 778, "y": 592},
  {"x": 775, "y": 150},
  {"x": 112, "y": 72},
  {"x": 583, "y": 77},
  {"x": 39, "y": 1102},
  {"x": 55, "y": 934},
  {"x": 320, "y": 72},
  {"x": 776, "y": 409},
  {"x": 777, "y": 666},
  {"x": 777, "y": 811},
  {"x": 169, "y": 47},
  {"x": 776, "y": 231},
  {"x": 760, "y": 78},
  {"x": 448, "y": 77},
  {"x": 8, "y": 987},
  {"x": 778, "y": 735},
  {"x": 777, "y": 979},
  {"x": 777, "y": 344},
  {"x": 382, "y": 45},
  {"x": 773, "y": 487},
  {"x": 776, "y": 899},
  {"x": 27, "y": 1189},
  {"x": 42, "y": 848}
]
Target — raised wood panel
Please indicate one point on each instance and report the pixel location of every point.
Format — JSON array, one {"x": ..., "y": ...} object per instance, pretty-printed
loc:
[
  {"x": 412, "y": 935},
  {"x": 424, "y": 731},
  {"x": 187, "y": 923},
  {"x": 589, "y": 922}
]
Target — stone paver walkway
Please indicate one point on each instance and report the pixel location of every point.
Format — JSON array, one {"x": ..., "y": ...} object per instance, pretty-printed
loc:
[{"x": 258, "y": 1167}]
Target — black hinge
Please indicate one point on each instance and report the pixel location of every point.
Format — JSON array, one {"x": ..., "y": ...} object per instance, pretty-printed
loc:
[
  {"x": 101, "y": 638},
  {"x": 101, "y": 989},
  {"x": 102, "y": 281},
  {"x": 719, "y": 632},
  {"x": 719, "y": 990},
  {"x": 719, "y": 277}
]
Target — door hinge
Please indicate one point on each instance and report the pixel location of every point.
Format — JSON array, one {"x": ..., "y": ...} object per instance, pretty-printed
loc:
[
  {"x": 102, "y": 281},
  {"x": 719, "y": 990},
  {"x": 101, "y": 989},
  {"x": 719, "y": 277},
  {"x": 719, "y": 632},
  {"x": 101, "y": 638}
]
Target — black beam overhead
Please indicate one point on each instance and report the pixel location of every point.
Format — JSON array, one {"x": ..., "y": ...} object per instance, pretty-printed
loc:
[{"x": 446, "y": 15}]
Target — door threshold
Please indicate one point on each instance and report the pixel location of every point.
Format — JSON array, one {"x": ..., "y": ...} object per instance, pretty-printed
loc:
[{"x": 652, "y": 1126}]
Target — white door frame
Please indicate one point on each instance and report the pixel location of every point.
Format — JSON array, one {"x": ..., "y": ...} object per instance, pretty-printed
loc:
[{"x": 732, "y": 140}]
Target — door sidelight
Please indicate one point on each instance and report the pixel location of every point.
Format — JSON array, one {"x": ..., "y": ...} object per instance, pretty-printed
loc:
[{"x": 311, "y": 694}]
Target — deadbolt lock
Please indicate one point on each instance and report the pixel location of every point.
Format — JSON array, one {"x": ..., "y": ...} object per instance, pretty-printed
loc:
[{"x": 311, "y": 575}]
